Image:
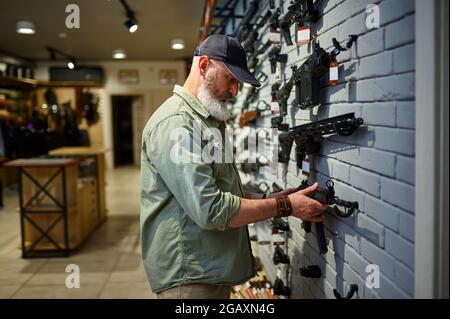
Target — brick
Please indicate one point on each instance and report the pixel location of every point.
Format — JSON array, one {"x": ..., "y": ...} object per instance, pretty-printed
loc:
[
  {"x": 349, "y": 193},
  {"x": 390, "y": 290},
  {"x": 407, "y": 226},
  {"x": 328, "y": 290},
  {"x": 378, "y": 256},
  {"x": 406, "y": 114},
  {"x": 334, "y": 94},
  {"x": 326, "y": 39},
  {"x": 365, "y": 180},
  {"x": 371, "y": 43},
  {"x": 370, "y": 293},
  {"x": 334, "y": 168},
  {"x": 391, "y": 10},
  {"x": 348, "y": 9},
  {"x": 400, "y": 32},
  {"x": 382, "y": 212},
  {"x": 329, "y": 275},
  {"x": 336, "y": 109},
  {"x": 405, "y": 59},
  {"x": 398, "y": 193},
  {"x": 370, "y": 229},
  {"x": 383, "y": 114},
  {"x": 405, "y": 169},
  {"x": 396, "y": 140},
  {"x": 396, "y": 87},
  {"x": 356, "y": 261},
  {"x": 375, "y": 65},
  {"x": 404, "y": 278},
  {"x": 377, "y": 161},
  {"x": 348, "y": 235},
  {"x": 323, "y": 165},
  {"x": 400, "y": 248},
  {"x": 355, "y": 25}
]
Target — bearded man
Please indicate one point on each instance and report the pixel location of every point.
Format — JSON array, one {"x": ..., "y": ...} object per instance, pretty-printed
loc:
[{"x": 194, "y": 214}]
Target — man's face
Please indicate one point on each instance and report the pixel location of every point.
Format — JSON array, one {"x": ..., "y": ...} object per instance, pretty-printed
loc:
[
  {"x": 217, "y": 88},
  {"x": 222, "y": 84}
]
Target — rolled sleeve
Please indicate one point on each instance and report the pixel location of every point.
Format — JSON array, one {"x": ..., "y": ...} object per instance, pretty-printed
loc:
[{"x": 191, "y": 183}]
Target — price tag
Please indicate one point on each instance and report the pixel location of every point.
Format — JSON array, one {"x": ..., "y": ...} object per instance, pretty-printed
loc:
[
  {"x": 278, "y": 239},
  {"x": 278, "y": 72},
  {"x": 305, "y": 167},
  {"x": 334, "y": 73},
  {"x": 275, "y": 36},
  {"x": 303, "y": 35},
  {"x": 274, "y": 106}
]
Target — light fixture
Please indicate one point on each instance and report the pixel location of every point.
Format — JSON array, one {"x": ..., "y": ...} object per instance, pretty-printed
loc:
[
  {"x": 25, "y": 27},
  {"x": 177, "y": 44},
  {"x": 71, "y": 64},
  {"x": 119, "y": 54},
  {"x": 131, "y": 22}
]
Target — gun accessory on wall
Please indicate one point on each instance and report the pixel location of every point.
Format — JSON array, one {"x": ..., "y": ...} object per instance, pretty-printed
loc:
[
  {"x": 317, "y": 65},
  {"x": 253, "y": 60},
  {"x": 307, "y": 137},
  {"x": 251, "y": 116},
  {"x": 249, "y": 42},
  {"x": 275, "y": 56},
  {"x": 245, "y": 26},
  {"x": 327, "y": 196},
  {"x": 300, "y": 12}
]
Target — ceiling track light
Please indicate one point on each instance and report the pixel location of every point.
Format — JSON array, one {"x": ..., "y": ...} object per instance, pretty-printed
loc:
[
  {"x": 131, "y": 22},
  {"x": 71, "y": 61}
]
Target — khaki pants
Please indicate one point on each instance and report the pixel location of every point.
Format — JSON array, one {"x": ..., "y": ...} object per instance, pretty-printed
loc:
[{"x": 196, "y": 291}]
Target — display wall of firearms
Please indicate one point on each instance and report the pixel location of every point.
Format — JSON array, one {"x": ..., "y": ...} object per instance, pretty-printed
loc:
[{"x": 307, "y": 137}]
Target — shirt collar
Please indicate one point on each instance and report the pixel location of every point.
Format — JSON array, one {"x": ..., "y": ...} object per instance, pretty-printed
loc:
[{"x": 191, "y": 100}]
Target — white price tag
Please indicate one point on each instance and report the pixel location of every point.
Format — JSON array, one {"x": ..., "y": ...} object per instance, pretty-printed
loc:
[
  {"x": 278, "y": 72},
  {"x": 305, "y": 167},
  {"x": 278, "y": 239},
  {"x": 303, "y": 35},
  {"x": 274, "y": 106},
  {"x": 334, "y": 74},
  {"x": 275, "y": 36}
]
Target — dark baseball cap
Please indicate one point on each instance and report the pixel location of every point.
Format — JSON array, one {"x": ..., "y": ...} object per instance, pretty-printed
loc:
[{"x": 228, "y": 50}]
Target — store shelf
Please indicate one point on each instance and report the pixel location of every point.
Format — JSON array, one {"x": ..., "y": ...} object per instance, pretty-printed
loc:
[{"x": 29, "y": 84}]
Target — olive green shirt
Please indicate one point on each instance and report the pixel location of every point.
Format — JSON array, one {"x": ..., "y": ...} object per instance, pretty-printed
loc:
[{"x": 186, "y": 206}]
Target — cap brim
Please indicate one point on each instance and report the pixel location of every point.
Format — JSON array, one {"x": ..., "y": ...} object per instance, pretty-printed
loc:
[{"x": 242, "y": 74}]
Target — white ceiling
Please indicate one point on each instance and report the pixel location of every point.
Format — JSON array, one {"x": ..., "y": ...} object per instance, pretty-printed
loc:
[{"x": 102, "y": 28}]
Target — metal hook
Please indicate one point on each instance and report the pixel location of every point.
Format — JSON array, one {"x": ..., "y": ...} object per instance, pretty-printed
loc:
[{"x": 351, "y": 292}]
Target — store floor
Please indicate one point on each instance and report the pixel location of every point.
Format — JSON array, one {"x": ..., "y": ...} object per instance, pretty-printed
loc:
[{"x": 109, "y": 261}]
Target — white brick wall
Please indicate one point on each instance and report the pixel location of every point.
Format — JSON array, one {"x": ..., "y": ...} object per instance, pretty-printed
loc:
[{"x": 375, "y": 166}]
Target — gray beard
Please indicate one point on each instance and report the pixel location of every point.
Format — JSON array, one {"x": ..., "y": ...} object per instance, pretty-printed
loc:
[{"x": 215, "y": 107}]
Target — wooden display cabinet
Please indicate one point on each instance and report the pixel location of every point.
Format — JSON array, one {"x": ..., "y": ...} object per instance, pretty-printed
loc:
[{"x": 92, "y": 166}]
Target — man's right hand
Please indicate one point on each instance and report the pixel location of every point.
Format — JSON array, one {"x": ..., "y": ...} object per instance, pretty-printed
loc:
[{"x": 305, "y": 208}]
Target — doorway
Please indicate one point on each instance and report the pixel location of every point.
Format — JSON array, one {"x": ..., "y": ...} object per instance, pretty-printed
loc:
[{"x": 123, "y": 130}]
